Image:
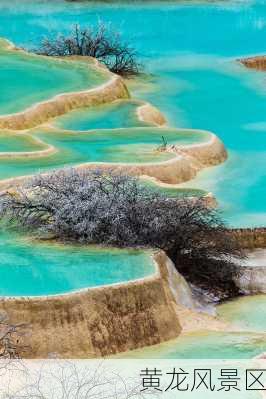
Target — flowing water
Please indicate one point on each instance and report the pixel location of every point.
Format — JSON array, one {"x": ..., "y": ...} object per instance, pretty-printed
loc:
[{"x": 121, "y": 145}]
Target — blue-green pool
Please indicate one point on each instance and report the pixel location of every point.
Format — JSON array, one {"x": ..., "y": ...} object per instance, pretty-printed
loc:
[
  {"x": 206, "y": 345},
  {"x": 24, "y": 79},
  {"x": 19, "y": 142},
  {"x": 31, "y": 268},
  {"x": 196, "y": 81},
  {"x": 190, "y": 48},
  {"x": 119, "y": 114},
  {"x": 120, "y": 145},
  {"x": 241, "y": 312},
  {"x": 134, "y": 145}
]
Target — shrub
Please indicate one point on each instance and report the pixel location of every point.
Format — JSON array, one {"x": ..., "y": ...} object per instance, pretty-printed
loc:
[
  {"x": 12, "y": 339},
  {"x": 108, "y": 208},
  {"x": 100, "y": 42}
]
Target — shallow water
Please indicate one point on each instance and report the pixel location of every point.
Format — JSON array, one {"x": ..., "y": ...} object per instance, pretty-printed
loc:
[
  {"x": 120, "y": 114},
  {"x": 24, "y": 79},
  {"x": 248, "y": 312},
  {"x": 254, "y": 258},
  {"x": 29, "y": 268},
  {"x": 239, "y": 183},
  {"x": 12, "y": 142},
  {"x": 247, "y": 315},
  {"x": 196, "y": 81},
  {"x": 121, "y": 145},
  {"x": 191, "y": 50},
  {"x": 138, "y": 145},
  {"x": 206, "y": 345}
]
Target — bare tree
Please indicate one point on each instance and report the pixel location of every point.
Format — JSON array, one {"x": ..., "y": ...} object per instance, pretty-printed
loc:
[
  {"x": 109, "y": 208},
  {"x": 12, "y": 336},
  {"x": 69, "y": 379},
  {"x": 100, "y": 42}
]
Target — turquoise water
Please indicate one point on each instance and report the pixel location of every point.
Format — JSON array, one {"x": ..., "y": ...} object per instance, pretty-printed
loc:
[
  {"x": 12, "y": 142},
  {"x": 191, "y": 49},
  {"x": 28, "y": 268},
  {"x": 173, "y": 191},
  {"x": 239, "y": 183},
  {"x": 24, "y": 79},
  {"x": 196, "y": 81},
  {"x": 241, "y": 312},
  {"x": 121, "y": 145},
  {"x": 206, "y": 345},
  {"x": 120, "y": 114}
]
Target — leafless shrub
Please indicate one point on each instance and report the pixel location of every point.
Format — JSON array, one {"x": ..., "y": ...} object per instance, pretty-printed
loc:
[
  {"x": 12, "y": 336},
  {"x": 100, "y": 42},
  {"x": 68, "y": 380},
  {"x": 163, "y": 145},
  {"x": 113, "y": 209}
]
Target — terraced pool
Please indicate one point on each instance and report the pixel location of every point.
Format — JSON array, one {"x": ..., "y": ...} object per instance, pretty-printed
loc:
[
  {"x": 134, "y": 145},
  {"x": 205, "y": 345},
  {"x": 19, "y": 142},
  {"x": 247, "y": 313},
  {"x": 119, "y": 114},
  {"x": 30, "y": 268},
  {"x": 24, "y": 79},
  {"x": 197, "y": 83}
]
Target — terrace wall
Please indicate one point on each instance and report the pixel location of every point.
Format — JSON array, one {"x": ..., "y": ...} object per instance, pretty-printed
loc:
[
  {"x": 251, "y": 238},
  {"x": 98, "y": 322}
]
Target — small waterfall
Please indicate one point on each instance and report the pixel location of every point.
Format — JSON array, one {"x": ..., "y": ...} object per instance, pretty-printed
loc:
[
  {"x": 252, "y": 280},
  {"x": 189, "y": 296},
  {"x": 179, "y": 286}
]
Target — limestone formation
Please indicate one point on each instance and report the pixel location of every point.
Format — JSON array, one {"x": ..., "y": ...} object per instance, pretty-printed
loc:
[{"x": 99, "y": 321}]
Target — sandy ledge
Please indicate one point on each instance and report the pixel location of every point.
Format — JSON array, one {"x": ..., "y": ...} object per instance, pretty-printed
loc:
[{"x": 150, "y": 114}]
